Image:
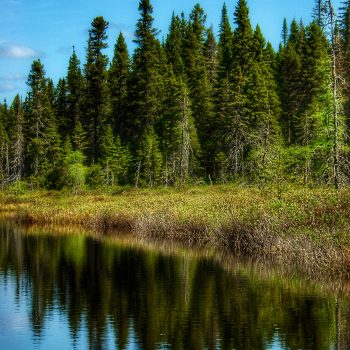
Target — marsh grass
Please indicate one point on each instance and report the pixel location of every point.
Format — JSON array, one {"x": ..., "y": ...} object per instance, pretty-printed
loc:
[{"x": 306, "y": 228}]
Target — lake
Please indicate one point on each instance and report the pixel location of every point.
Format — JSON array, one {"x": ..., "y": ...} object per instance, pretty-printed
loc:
[{"x": 61, "y": 289}]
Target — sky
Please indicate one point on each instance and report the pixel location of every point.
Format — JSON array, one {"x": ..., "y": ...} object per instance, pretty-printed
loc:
[{"x": 48, "y": 29}]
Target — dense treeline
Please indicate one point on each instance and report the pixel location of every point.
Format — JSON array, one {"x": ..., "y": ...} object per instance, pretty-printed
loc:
[{"x": 191, "y": 108}]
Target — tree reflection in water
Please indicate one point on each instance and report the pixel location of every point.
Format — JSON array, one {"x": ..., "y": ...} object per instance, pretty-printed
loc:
[{"x": 140, "y": 296}]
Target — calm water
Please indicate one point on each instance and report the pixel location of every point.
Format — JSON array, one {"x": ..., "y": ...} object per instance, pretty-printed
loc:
[{"x": 72, "y": 291}]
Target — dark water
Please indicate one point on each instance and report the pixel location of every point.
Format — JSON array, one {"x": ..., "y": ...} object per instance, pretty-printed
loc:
[{"x": 72, "y": 291}]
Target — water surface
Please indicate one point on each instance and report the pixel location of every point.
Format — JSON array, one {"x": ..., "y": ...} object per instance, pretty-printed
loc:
[{"x": 77, "y": 291}]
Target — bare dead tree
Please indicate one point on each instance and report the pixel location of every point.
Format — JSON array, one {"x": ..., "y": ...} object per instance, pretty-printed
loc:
[
  {"x": 17, "y": 162},
  {"x": 331, "y": 22},
  {"x": 185, "y": 145}
]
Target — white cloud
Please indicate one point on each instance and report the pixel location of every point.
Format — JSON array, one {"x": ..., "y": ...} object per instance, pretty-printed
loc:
[
  {"x": 6, "y": 87},
  {"x": 13, "y": 77},
  {"x": 17, "y": 51}
]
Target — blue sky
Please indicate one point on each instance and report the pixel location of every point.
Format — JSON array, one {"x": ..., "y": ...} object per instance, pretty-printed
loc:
[{"x": 47, "y": 29}]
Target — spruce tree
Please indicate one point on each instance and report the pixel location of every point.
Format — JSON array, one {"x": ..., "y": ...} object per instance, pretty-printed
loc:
[
  {"x": 174, "y": 45},
  {"x": 344, "y": 66},
  {"x": 289, "y": 80},
  {"x": 74, "y": 86},
  {"x": 61, "y": 108},
  {"x": 223, "y": 96},
  {"x": 79, "y": 138},
  {"x": 198, "y": 81},
  {"x": 319, "y": 13},
  {"x": 179, "y": 141},
  {"x": 237, "y": 136},
  {"x": 263, "y": 107},
  {"x": 43, "y": 141},
  {"x": 118, "y": 82},
  {"x": 210, "y": 54},
  {"x": 149, "y": 160},
  {"x": 225, "y": 46},
  {"x": 115, "y": 158},
  {"x": 242, "y": 39},
  {"x": 284, "y": 32},
  {"x": 96, "y": 93},
  {"x": 146, "y": 81}
]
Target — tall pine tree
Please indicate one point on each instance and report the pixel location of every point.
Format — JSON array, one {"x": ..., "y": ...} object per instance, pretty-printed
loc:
[
  {"x": 118, "y": 82},
  {"x": 96, "y": 89}
]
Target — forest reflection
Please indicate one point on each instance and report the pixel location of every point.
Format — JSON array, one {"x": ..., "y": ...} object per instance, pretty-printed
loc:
[{"x": 137, "y": 295}]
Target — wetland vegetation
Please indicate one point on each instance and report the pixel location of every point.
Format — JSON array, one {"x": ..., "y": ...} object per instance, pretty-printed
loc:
[{"x": 306, "y": 228}]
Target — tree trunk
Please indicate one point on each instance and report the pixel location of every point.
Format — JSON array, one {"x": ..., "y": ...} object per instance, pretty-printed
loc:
[{"x": 335, "y": 93}]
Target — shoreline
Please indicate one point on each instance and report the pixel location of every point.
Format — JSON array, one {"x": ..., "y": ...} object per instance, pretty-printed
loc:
[{"x": 308, "y": 229}]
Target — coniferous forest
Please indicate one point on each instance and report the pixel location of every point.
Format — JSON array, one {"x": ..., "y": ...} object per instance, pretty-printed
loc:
[{"x": 195, "y": 108}]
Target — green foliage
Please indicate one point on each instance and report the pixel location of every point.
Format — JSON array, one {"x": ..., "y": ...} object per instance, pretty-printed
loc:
[
  {"x": 225, "y": 46},
  {"x": 118, "y": 80},
  {"x": 79, "y": 137},
  {"x": 96, "y": 90},
  {"x": 74, "y": 86},
  {"x": 95, "y": 179},
  {"x": 115, "y": 158},
  {"x": 18, "y": 188},
  {"x": 149, "y": 160},
  {"x": 60, "y": 106},
  {"x": 179, "y": 140},
  {"x": 188, "y": 108},
  {"x": 146, "y": 80},
  {"x": 174, "y": 46},
  {"x": 75, "y": 171},
  {"x": 43, "y": 139}
]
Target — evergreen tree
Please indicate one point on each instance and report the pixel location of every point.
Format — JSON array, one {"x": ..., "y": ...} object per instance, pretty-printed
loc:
[
  {"x": 223, "y": 96},
  {"x": 319, "y": 13},
  {"x": 264, "y": 107},
  {"x": 115, "y": 158},
  {"x": 61, "y": 108},
  {"x": 174, "y": 45},
  {"x": 284, "y": 32},
  {"x": 74, "y": 87},
  {"x": 43, "y": 142},
  {"x": 179, "y": 140},
  {"x": 210, "y": 54},
  {"x": 315, "y": 79},
  {"x": 344, "y": 66},
  {"x": 237, "y": 136},
  {"x": 242, "y": 39},
  {"x": 146, "y": 82},
  {"x": 118, "y": 80},
  {"x": 67, "y": 148},
  {"x": 79, "y": 138},
  {"x": 149, "y": 160},
  {"x": 289, "y": 80},
  {"x": 225, "y": 46},
  {"x": 199, "y": 85},
  {"x": 189, "y": 106},
  {"x": 51, "y": 91},
  {"x": 96, "y": 93}
]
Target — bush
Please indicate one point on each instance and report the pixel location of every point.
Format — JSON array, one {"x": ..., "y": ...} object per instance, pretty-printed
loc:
[
  {"x": 75, "y": 172},
  {"x": 95, "y": 178}
]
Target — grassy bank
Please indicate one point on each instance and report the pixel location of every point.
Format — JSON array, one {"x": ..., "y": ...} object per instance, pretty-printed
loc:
[{"x": 307, "y": 228}]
